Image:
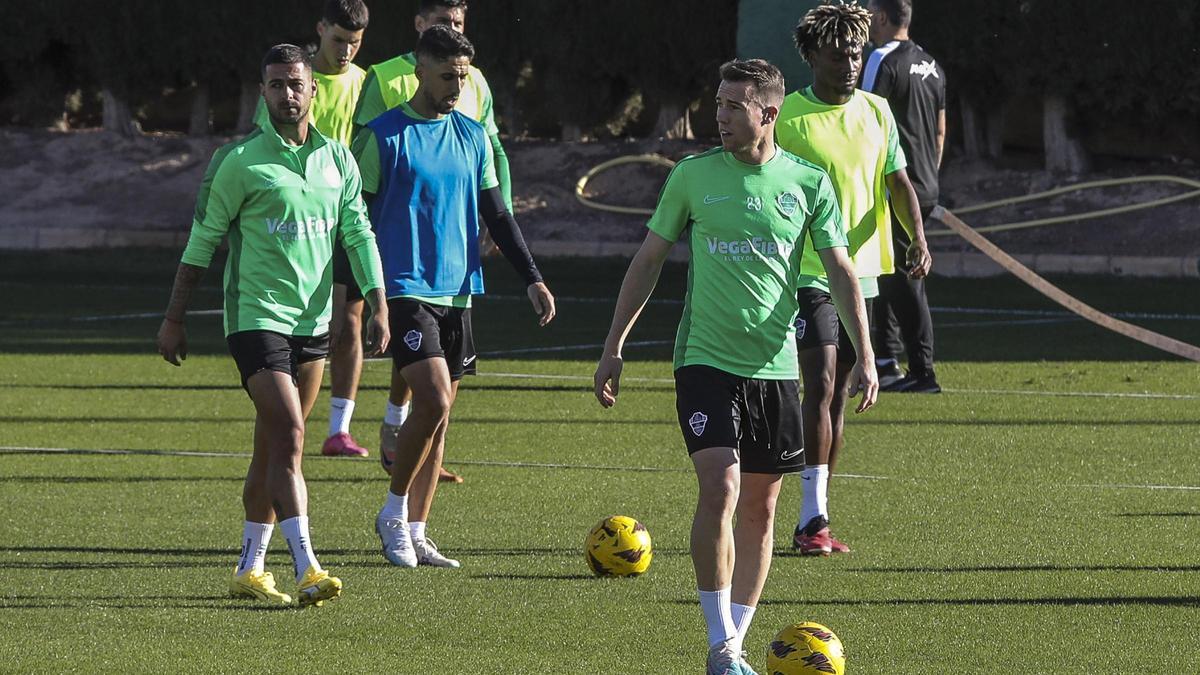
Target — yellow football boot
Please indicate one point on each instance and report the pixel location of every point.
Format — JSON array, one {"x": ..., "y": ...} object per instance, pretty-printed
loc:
[
  {"x": 316, "y": 587},
  {"x": 259, "y": 585}
]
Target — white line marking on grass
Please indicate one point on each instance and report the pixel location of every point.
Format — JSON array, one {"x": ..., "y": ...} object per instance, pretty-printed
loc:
[
  {"x": 1130, "y": 486},
  {"x": 574, "y": 348},
  {"x": 998, "y": 392},
  {"x": 1076, "y": 394},
  {"x": 19, "y": 450}
]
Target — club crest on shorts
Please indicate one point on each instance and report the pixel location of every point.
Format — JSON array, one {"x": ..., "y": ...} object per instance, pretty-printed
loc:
[
  {"x": 801, "y": 324},
  {"x": 413, "y": 339},
  {"x": 787, "y": 203},
  {"x": 697, "y": 422}
]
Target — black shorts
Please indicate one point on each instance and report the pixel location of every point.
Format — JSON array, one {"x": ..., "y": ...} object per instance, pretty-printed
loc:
[
  {"x": 343, "y": 274},
  {"x": 818, "y": 324},
  {"x": 422, "y": 331},
  {"x": 759, "y": 418},
  {"x": 257, "y": 350}
]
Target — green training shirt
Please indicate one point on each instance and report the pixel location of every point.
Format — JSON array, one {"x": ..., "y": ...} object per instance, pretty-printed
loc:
[
  {"x": 332, "y": 111},
  {"x": 282, "y": 207},
  {"x": 746, "y": 227},
  {"x": 857, "y": 143},
  {"x": 394, "y": 81}
]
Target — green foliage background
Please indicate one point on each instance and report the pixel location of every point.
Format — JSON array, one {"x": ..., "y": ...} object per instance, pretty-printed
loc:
[{"x": 582, "y": 60}]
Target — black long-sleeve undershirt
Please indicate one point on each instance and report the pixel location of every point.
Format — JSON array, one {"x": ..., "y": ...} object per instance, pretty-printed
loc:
[{"x": 503, "y": 227}]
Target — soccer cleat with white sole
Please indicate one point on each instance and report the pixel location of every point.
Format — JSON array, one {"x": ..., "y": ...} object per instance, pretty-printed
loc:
[
  {"x": 725, "y": 659},
  {"x": 428, "y": 554},
  {"x": 258, "y": 585},
  {"x": 396, "y": 541},
  {"x": 316, "y": 586}
]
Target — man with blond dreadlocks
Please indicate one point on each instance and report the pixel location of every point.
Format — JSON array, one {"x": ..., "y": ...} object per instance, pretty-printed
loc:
[{"x": 852, "y": 135}]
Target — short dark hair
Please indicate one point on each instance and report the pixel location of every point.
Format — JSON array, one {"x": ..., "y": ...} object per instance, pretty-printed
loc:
[
  {"x": 831, "y": 22},
  {"x": 428, "y": 6},
  {"x": 444, "y": 43},
  {"x": 285, "y": 53},
  {"x": 769, "y": 87},
  {"x": 348, "y": 14},
  {"x": 899, "y": 12}
]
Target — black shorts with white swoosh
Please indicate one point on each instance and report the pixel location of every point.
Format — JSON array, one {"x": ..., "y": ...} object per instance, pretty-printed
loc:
[
  {"x": 759, "y": 418},
  {"x": 423, "y": 331}
]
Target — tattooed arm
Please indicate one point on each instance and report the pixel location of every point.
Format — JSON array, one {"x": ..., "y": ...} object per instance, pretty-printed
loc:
[{"x": 172, "y": 335}]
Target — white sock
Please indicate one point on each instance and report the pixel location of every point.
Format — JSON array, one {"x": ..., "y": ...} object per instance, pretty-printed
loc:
[
  {"x": 340, "y": 412},
  {"x": 742, "y": 616},
  {"x": 395, "y": 508},
  {"x": 396, "y": 414},
  {"x": 417, "y": 530},
  {"x": 255, "y": 537},
  {"x": 816, "y": 490},
  {"x": 295, "y": 530},
  {"x": 884, "y": 363},
  {"x": 718, "y": 615}
]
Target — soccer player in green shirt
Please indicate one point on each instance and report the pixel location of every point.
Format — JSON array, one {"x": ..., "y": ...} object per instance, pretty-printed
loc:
[
  {"x": 284, "y": 195},
  {"x": 339, "y": 83},
  {"x": 852, "y": 135},
  {"x": 745, "y": 210}
]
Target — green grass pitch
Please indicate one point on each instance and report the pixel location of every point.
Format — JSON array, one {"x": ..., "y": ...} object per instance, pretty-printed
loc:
[{"x": 1008, "y": 525}]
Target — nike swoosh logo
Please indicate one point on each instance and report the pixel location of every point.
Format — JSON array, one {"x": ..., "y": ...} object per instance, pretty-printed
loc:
[
  {"x": 709, "y": 199},
  {"x": 789, "y": 455},
  {"x": 467, "y": 362}
]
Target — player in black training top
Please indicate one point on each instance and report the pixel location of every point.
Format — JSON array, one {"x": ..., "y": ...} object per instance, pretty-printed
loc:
[{"x": 915, "y": 87}]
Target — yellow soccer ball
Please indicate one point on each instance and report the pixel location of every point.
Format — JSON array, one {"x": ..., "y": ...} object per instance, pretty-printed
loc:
[
  {"x": 618, "y": 546},
  {"x": 806, "y": 649}
]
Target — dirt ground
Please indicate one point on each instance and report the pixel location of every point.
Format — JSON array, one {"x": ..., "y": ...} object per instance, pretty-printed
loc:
[{"x": 89, "y": 179}]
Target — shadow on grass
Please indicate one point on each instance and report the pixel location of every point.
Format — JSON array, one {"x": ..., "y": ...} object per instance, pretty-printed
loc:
[
  {"x": 136, "y": 602},
  {"x": 110, "y": 565},
  {"x": 1102, "y": 601},
  {"x": 535, "y": 577},
  {"x": 1167, "y": 514},
  {"x": 135, "y": 419},
  {"x": 1025, "y": 568}
]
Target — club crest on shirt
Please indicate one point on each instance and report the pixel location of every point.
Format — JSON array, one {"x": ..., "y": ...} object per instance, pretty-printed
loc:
[
  {"x": 697, "y": 422},
  {"x": 413, "y": 339},
  {"x": 787, "y": 203},
  {"x": 801, "y": 324}
]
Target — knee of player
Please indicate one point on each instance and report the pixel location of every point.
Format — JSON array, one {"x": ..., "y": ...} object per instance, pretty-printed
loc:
[
  {"x": 719, "y": 491},
  {"x": 819, "y": 389},
  {"x": 434, "y": 408},
  {"x": 758, "y": 512}
]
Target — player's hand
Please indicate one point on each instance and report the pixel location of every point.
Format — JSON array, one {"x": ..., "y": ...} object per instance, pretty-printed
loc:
[
  {"x": 918, "y": 259},
  {"x": 543, "y": 302},
  {"x": 864, "y": 378},
  {"x": 172, "y": 342},
  {"x": 608, "y": 380},
  {"x": 378, "y": 335}
]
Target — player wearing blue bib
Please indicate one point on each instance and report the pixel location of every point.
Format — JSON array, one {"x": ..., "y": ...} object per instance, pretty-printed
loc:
[{"x": 428, "y": 177}]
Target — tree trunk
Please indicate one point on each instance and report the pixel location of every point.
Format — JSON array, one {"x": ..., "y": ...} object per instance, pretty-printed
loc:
[
  {"x": 994, "y": 133},
  {"x": 511, "y": 114},
  {"x": 247, "y": 103},
  {"x": 200, "y": 120},
  {"x": 972, "y": 128},
  {"x": 572, "y": 133},
  {"x": 117, "y": 116},
  {"x": 1064, "y": 152},
  {"x": 673, "y": 122}
]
